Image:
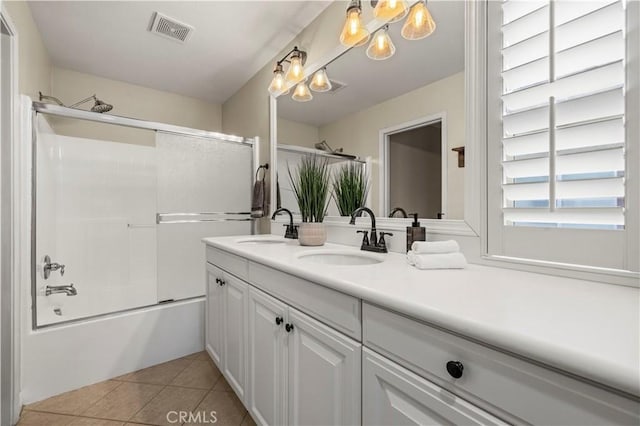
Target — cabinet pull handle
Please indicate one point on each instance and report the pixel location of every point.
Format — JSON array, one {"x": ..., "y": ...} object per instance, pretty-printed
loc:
[
  {"x": 279, "y": 320},
  {"x": 218, "y": 280},
  {"x": 288, "y": 327},
  {"x": 455, "y": 369}
]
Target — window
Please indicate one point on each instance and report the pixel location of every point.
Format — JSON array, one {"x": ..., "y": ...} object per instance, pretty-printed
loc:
[{"x": 561, "y": 138}]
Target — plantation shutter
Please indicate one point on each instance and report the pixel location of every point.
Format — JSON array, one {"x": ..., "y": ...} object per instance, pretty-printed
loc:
[{"x": 563, "y": 113}]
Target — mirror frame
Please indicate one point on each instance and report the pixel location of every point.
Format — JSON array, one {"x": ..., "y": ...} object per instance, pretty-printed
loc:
[{"x": 473, "y": 224}]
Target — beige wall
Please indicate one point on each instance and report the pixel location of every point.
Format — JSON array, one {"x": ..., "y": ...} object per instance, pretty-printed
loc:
[
  {"x": 415, "y": 178},
  {"x": 358, "y": 133},
  {"x": 34, "y": 65},
  {"x": 131, "y": 101},
  {"x": 294, "y": 133}
]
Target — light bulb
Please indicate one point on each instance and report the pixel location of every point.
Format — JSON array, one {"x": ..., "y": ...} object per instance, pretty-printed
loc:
[
  {"x": 320, "y": 82},
  {"x": 419, "y": 23},
  {"x": 295, "y": 73},
  {"x": 353, "y": 33},
  {"x": 390, "y": 10},
  {"x": 302, "y": 93},
  {"x": 278, "y": 83},
  {"x": 381, "y": 46}
]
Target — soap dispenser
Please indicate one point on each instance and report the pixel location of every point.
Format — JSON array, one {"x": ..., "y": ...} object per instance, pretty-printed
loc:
[{"x": 415, "y": 232}]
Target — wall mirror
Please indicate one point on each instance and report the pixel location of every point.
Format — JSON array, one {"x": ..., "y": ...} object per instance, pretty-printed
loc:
[{"x": 401, "y": 118}]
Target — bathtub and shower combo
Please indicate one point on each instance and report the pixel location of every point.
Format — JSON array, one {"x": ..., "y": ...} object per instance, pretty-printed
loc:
[{"x": 118, "y": 209}]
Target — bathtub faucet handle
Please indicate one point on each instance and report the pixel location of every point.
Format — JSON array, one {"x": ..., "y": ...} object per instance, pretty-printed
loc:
[{"x": 51, "y": 266}]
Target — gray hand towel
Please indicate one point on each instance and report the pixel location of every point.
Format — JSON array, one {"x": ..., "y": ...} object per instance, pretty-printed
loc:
[{"x": 260, "y": 200}]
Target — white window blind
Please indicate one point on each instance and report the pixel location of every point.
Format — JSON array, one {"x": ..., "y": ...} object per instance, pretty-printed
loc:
[{"x": 563, "y": 113}]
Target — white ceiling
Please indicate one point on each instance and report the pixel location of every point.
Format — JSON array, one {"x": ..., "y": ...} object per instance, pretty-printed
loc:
[
  {"x": 415, "y": 64},
  {"x": 231, "y": 42}
]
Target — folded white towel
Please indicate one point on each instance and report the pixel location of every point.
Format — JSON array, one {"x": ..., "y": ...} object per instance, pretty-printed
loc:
[
  {"x": 437, "y": 261},
  {"x": 435, "y": 247}
]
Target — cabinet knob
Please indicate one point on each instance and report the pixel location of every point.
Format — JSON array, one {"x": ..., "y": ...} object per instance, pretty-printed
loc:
[
  {"x": 218, "y": 280},
  {"x": 279, "y": 320},
  {"x": 455, "y": 369},
  {"x": 221, "y": 282},
  {"x": 288, "y": 327}
]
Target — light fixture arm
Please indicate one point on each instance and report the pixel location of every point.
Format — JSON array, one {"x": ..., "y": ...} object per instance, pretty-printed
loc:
[{"x": 301, "y": 53}]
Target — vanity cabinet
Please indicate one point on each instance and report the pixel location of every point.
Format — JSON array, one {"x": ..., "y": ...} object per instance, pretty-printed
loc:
[
  {"x": 226, "y": 326},
  {"x": 300, "y": 370},
  {"x": 392, "y": 395}
]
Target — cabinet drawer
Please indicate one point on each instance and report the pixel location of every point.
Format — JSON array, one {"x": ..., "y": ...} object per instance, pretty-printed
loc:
[
  {"x": 231, "y": 263},
  {"x": 392, "y": 395},
  {"x": 514, "y": 389},
  {"x": 335, "y": 309}
]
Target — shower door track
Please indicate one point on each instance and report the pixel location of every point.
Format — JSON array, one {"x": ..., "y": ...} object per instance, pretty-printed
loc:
[{"x": 61, "y": 111}]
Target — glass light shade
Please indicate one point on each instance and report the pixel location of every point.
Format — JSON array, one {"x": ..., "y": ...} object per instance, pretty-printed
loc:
[
  {"x": 295, "y": 73},
  {"x": 278, "y": 83},
  {"x": 381, "y": 46},
  {"x": 320, "y": 82},
  {"x": 419, "y": 23},
  {"x": 353, "y": 33},
  {"x": 302, "y": 93},
  {"x": 390, "y": 10}
]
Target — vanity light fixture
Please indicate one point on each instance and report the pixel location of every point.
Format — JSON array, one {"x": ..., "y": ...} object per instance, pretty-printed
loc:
[
  {"x": 320, "y": 82},
  {"x": 419, "y": 23},
  {"x": 278, "y": 83},
  {"x": 381, "y": 46},
  {"x": 295, "y": 73},
  {"x": 353, "y": 32},
  {"x": 296, "y": 59},
  {"x": 390, "y": 10},
  {"x": 302, "y": 93}
]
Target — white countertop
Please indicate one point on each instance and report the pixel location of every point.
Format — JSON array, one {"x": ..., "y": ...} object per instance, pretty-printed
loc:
[{"x": 585, "y": 328}]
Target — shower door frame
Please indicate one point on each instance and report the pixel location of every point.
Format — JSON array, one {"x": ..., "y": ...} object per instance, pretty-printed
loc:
[{"x": 60, "y": 111}]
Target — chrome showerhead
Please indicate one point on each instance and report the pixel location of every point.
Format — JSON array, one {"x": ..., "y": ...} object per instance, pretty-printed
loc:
[{"x": 101, "y": 106}]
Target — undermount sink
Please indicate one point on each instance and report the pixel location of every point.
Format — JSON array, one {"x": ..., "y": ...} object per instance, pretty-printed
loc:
[
  {"x": 261, "y": 241},
  {"x": 345, "y": 258}
]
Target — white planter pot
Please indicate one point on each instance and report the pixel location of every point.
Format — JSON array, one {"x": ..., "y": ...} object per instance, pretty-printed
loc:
[{"x": 312, "y": 234}]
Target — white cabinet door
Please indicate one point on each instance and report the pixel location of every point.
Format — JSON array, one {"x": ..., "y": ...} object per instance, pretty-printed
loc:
[
  {"x": 392, "y": 395},
  {"x": 324, "y": 374},
  {"x": 214, "y": 315},
  {"x": 234, "y": 360},
  {"x": 267, "y": 359}
]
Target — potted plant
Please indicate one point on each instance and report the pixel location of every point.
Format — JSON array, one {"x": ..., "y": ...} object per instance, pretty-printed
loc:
[
  {"x": 350, "y": 188},
  {"x": 311, "y": 187}
]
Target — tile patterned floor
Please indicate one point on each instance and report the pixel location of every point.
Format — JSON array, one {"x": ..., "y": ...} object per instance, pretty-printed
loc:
[{"x": 190, "y": 384}]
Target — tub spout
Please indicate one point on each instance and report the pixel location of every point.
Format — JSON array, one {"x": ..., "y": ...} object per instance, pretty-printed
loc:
[{"x": 69, "y": 290}]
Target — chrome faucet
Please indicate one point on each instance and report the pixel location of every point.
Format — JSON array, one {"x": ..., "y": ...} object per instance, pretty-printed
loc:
[
  {"x": 51, "y": 266},
  {"x": 370, "y": 243},
  {"x": 292, "y": 230},
  {"x": 398, "y": 209},
  {"x": 70, "y": 290}
]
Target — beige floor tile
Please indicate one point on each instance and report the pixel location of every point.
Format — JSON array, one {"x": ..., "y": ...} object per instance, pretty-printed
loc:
[
  {"x": 76, "y": 401},
  {"x": 86, "y": 421},
  {"x": 123, "y": 402},
  {"x": 248, "y": 421},
  {"x": 201, "y": 356},
  {"x": 161, "y": 374},
  {"x": 170, "y": 399},
  {"x": 34, "y": 418},
  {"x": 200, "y": 375},
  {"x": 222, "y": 385},
  {"x": 228, "y": 408}
]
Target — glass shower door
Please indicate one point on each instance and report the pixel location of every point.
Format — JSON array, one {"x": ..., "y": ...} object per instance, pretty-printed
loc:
[{"x": 204, "y": 190}]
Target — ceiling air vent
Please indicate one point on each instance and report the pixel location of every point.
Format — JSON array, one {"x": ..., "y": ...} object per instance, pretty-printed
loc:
[
  {"x": 167, "y": 27},
  {"x": 336, "y": 86}
]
